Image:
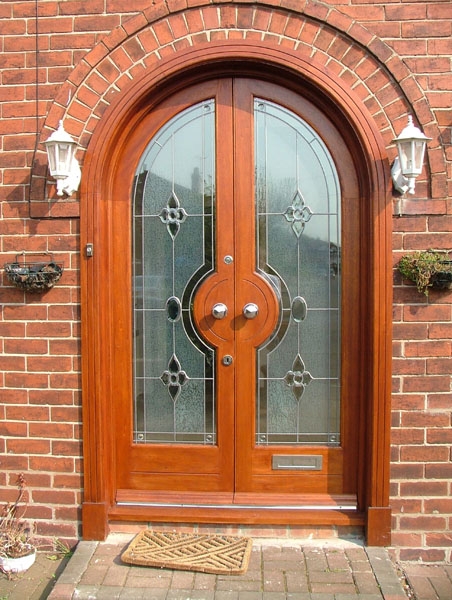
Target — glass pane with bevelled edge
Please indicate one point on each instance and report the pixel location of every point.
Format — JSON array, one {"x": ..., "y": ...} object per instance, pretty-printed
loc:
[
  {"x": 156, "y": 339},
  {"x": 139, "y": 415},
  {"x": 188, "y": 252},
  {"x": 282, "y": 408},
  {"x": 308, "y": 420},
  {"x": 195, "y": 359},
  {"x": 318, "y": 178},
  {"x": 159, "y": 411},
  {"x": 318, "y": 279},
  {"x": 173, "y": 225},
  {"x": 157, "y": 190},
  {"x": 155, "y": 278},
  {"x": 296, "y": 159},
  {"x": 280, "y": 246},
  {"x": 189, "y": 408},
  {"x": 323, "y": 356},
  {"x": 180, "y": 158},
  {"x": 298, "y": 228},
  {"x": 276, "y": 360},
  {"x": 315, "y": 412}
]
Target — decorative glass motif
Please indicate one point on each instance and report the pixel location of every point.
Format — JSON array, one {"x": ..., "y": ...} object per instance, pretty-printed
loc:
[
  {"x": 299, "y": 309},
  {"x": 174, "y": 378},
  {"x": 298, "y": 378},
  {"x": 174, "y": 309},
  {"x": 173, "y": 215},
  {"x": 298, "y": 214}
]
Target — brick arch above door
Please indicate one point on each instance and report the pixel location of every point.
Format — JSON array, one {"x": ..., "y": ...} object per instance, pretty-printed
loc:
[{"x": 313, "y": 33}]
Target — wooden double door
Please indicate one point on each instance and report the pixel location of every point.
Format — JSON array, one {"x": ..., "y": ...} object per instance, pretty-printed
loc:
[{"x": 234, "y": 238}]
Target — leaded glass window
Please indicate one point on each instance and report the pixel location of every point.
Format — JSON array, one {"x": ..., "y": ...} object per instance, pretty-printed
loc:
[
  {"x": 173, "y": 251},
  {"x": 299, "y": 250}
]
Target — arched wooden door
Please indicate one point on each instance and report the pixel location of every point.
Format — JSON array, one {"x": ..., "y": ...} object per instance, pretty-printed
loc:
[{"x": 234, "y": 306}]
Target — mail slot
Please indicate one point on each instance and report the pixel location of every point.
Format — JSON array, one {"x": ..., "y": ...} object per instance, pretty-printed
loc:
[{"x": 303, "y": 462}]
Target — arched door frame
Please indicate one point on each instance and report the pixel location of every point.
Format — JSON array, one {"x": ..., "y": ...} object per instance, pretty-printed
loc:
[{"x": 102, "y": 159}]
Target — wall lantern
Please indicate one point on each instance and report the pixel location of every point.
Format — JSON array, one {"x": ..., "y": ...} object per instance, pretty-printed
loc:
[
  {"x": 63, "y": 165},
  {"x": 407, "y": 166}
]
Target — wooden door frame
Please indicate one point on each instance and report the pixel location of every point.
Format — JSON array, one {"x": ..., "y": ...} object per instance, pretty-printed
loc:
[{"x": 103, "y": 157}]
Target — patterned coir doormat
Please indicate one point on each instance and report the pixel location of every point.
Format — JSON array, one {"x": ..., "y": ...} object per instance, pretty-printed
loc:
[{"x": 219, "y": 554}]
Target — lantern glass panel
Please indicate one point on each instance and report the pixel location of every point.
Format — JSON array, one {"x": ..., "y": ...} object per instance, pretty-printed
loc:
[
  {"x": 419, "y": 149},
  {"x": 51, "y": 154},
  {"x": 405, "y": 156},
  {"x": 411, "y": 155},
  {"x": 64, "y": 154}
]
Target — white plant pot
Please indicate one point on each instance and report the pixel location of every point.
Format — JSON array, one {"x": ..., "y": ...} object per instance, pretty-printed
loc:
[{"x": 17, "y": 565}]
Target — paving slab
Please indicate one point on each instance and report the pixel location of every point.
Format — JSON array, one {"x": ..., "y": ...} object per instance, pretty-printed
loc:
[{"x": 428, "y": 581}]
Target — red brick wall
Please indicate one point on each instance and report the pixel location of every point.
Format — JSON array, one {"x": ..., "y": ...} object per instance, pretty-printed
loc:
[
  {"x": 422, "y": 434},
  {"x": 394, "y": 55}
]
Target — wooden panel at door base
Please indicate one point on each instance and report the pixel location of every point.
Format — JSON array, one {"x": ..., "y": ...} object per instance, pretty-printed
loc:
[
  {"x": 243, "y": 516},
  {"x": 230, "y": 500},
  {"x": 309, "y": 484},
  {"x": 180, "y": 483},
  {"x": 326, "y": 479},
  {"x": 296, "y": 509}
]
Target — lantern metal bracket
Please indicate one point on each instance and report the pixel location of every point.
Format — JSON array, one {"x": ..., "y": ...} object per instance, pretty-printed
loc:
[
  {"x": 70, "y": 184},
  {"x": 398, "y": 178}
]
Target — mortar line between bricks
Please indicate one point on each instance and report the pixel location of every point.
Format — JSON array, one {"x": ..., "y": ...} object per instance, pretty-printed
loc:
[
  {"x": 308, "y": 574},
  {"x": 284, "y": 579},
  {"x": 261, "y": 554}
]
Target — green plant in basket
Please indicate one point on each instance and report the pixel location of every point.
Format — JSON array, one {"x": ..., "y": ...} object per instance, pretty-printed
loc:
[{"x": 428, "y": 268}]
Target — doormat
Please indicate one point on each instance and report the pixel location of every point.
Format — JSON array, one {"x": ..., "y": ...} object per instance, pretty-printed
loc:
[{"x": 218, "y": 554}]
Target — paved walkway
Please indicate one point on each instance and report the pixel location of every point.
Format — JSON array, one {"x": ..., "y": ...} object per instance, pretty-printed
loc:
[{"x": 278, "y": 570}]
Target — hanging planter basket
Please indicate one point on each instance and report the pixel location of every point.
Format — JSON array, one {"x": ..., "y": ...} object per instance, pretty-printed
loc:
[
  {"x": 428, "y": 269},
  {"x": 442, "y": 279},
  {"x": 35, "y": 277}
]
